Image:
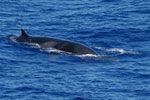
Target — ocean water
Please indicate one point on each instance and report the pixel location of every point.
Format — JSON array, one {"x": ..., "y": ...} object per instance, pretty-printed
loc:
[{"x": 118, "y": 30}]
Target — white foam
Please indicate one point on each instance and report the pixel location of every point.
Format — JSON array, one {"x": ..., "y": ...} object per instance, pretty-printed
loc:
[
  {"x": 100, "y": 48},
  {"x": 96, "y": 57},
  {"x": 87, "y": 55},
  {"x": 13, "y": 38},
  {"x": 121, "y": 51},
  {"x": 116, "y": 50}
]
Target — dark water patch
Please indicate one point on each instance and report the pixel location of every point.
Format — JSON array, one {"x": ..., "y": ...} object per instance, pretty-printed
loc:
[
  {"x": 49, "y": 10},
  {"x": 109, "y": 0},
  {"x": 78, "y": 98},
  {"x": 142, "y": 92},
  {"x": 30, "y": 89},
  {"x": 51, "y": 72},
  {"x": 61, "y": 94},
  {"x": 143, "y": 76},
  {"x": 142, "y": 11},
  {"x": 8, "y": 14}
]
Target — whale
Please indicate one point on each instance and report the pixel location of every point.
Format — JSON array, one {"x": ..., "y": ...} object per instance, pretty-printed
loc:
[{"x": 58, "y": 44}]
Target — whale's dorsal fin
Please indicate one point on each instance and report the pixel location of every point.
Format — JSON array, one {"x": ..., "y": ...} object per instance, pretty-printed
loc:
[{"x": 24, "y": 34}]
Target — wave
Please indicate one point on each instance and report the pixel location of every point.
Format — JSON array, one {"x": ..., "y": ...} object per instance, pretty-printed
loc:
[{"x": 121, "y": 51}]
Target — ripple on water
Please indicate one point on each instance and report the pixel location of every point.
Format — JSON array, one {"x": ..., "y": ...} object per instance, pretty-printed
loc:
[{"x": 117, "y": 30}]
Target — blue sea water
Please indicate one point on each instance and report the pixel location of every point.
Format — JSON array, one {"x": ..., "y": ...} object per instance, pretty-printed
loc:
[{"x": 118, "y": 30}]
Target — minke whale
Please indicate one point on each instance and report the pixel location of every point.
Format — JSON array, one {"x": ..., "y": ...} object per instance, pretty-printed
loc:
[{"x": 63, "y": 45}]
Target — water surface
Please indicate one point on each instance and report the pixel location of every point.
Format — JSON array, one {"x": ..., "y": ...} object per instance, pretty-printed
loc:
[{"x": 118, "y": 29}]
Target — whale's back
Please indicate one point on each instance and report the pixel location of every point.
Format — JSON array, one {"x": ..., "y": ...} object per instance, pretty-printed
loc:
[{"x": 74, "y": 48}]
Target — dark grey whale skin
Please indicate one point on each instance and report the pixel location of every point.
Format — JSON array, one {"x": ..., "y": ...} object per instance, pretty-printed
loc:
[{"x": 44, "y": 42}]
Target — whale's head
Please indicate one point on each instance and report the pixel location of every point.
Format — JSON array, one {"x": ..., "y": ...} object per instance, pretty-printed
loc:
[{"x": 24, "y": 37}]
